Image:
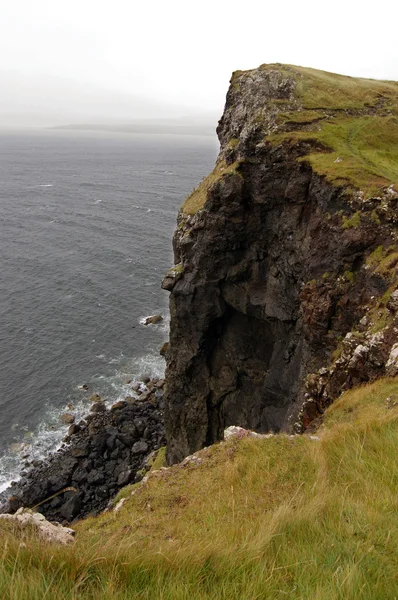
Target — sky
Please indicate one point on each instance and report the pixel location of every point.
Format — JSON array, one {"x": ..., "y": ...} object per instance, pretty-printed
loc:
[{"x": 176, "y": 57}]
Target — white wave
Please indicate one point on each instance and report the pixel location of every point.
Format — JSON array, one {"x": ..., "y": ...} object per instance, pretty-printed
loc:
[
  {"x": 45, "y": 185},
  {"x": 5, "y": 484},
  {"x": 48, "y": 436}
]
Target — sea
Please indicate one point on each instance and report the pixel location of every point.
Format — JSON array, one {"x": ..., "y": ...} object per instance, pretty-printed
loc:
[{"x": 86, "y": 225}]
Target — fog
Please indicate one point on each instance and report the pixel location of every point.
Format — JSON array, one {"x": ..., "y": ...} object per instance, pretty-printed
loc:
[
  {"x": 32, "y": 100},
  {"x": 121, "y": 61}
]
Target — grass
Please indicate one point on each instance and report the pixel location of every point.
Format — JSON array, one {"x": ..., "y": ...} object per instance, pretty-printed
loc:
[
  {"x": 353, "y": 221},
  {"x": 347, "y": 128},
  {"x": 259, "y": 518},
  {"x": 350, "y": 123},
  {"x": 197, "y": 199}
]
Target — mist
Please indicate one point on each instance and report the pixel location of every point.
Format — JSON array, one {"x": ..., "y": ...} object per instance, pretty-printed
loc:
[{"x": 28, "y": 101}]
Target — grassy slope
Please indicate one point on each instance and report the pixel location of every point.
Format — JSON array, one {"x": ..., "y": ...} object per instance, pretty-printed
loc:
[
  {"x": 270, "y": 518},
  {"x": 356, "y": 120}
]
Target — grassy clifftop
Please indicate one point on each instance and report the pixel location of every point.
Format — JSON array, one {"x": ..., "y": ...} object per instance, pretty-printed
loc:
[
  {"x": 255, "y": 518},
  {"x": 356, "y": 122},
  {"x": 347, "y": 126}
]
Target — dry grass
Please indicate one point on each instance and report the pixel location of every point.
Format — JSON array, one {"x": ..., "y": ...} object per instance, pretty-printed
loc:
[
  {"x": 197, "y": 199},
  {"x": 269, "y": 518}
]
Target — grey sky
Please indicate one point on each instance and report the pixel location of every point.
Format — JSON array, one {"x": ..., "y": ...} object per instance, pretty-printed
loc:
[{"x": 183, "y": 53}]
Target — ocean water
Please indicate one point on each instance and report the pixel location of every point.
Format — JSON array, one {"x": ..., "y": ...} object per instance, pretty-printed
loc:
[{"x": 86, "y": 222}]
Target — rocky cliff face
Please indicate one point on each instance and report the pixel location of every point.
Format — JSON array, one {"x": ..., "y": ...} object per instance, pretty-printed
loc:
[{"x": 282, "y": 294}]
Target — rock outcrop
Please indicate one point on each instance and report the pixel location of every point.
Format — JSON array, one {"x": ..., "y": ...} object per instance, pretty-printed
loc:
[
  {"x": 48, "y": 532},
  {"x": 283, "y": 292},
  {"x": 101, "y": 454}
]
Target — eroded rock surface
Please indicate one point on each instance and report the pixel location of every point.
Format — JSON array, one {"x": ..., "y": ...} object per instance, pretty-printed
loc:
[{"x": 273, "y": 270}]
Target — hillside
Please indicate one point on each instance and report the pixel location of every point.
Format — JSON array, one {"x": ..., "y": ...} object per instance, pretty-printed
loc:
[
  {"x": 303, "y": 517},
  {"x": 284, "y": 322}
]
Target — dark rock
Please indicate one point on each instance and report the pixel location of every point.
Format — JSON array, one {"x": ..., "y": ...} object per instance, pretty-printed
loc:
[
  {"x": 96, "y": 477},
  {"x": 119, "y": 405},
  {"x": 98, "y": 407},
  {"x": 139, "y": 447},
  {"x": 70, "y": 509},
  {"x": 145, "y": 378},
  {"x": 102, "y": 493},
  {"x": 73, "y": 429},
  {"x": 140, "y": 425},
  {"x": 145, "y": 396},
  {"x": 98, "y": 455},
  {"x": 130, "y": 399},
  {"x": 163, "y": 349},
  {"x": 124, "y": 478},
  {"x": 79, "y": 452},
  {"x": 14, "y": 504},
  {"x": 273, "y": 280}
]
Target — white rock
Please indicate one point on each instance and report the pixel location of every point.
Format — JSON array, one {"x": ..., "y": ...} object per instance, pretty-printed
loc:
[
  {"x": 50, "y": 532},
  {"x": 119, "y": 505},
  {"x": 392, "y": 362},
  {"x": 359, "y": 355},
  {"x": 236, "y": 431}
]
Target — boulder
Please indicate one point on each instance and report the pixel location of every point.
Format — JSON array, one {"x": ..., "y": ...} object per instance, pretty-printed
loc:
[
  {"x": 130, "y": 399},
  {"x": 98, "y": 407},
  {"x": 96, "y": 398},
  {"x": 393, "y": 302},
  {"x": 153, "y": 319},
  {"x": 49, "y": 532},
  {"x": 163, "y": 349},
  {"x": 70, "y": 509},
  {"x": 119, "y": 405},
  {"x": 392, "y": 362},
  {"x": 139, "y": 447},
  {"x": 124, "y": 478},
  {"x": 73, "y": 429},
  {"x": 67, "y": 418}
]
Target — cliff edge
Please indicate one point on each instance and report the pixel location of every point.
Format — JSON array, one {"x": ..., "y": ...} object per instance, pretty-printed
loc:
[{"x": 284, "y": 289}]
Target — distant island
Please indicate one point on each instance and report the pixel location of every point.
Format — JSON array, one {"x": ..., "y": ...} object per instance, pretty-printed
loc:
[{"x": 154, "y": 127}]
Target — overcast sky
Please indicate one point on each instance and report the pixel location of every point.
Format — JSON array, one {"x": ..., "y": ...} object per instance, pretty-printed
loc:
[{"x": 183, "y": 53}]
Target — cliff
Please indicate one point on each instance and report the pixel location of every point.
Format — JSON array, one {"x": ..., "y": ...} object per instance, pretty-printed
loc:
[{"x": 283, "y": 292}]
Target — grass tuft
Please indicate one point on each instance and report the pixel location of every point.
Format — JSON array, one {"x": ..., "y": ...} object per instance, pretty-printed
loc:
[{"x": 258, "y": 518}]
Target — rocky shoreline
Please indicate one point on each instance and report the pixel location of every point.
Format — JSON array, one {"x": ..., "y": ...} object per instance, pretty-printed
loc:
[{"x": 102, "y": 453}]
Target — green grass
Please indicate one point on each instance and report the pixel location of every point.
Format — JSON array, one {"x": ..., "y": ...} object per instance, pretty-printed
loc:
[
  {"x": 259, "y": 518},
  {"x": 197, "y": 199},
  {"x": 353, "y": 221},
  {"x": 351, "y": 124}
]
